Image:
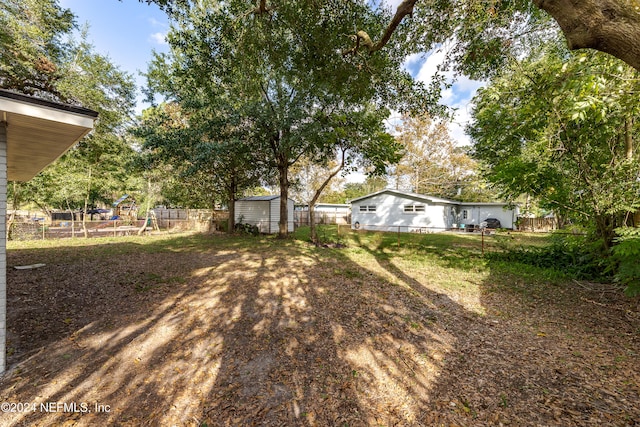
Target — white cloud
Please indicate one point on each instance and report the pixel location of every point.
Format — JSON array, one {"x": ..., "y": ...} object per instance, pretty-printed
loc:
[
  {"x": 458, "y": 96},
  {"x": 430, "y": 67},
  {"x": 157, "y": 23},
  {"x": 159, "y": 38}
]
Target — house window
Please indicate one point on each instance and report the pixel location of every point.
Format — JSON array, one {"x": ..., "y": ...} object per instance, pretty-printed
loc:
[
  {"x": 464, "y": 214},
  {"x": 413, "y": 208},
  {"x": 367, "y": 208}
]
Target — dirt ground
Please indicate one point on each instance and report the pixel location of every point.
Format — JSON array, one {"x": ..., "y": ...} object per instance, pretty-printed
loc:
[{"x": 284, "y": 334}]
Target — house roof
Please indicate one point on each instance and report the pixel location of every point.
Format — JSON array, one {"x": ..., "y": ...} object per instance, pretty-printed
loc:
[
  {"x": 39, "y": 131},
  {"x": 426, "y": 198},
  {"x": 406, "y": 194}
]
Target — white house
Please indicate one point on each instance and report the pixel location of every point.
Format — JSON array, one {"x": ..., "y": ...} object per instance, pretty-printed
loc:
[
  {"x": 33, "y": 133},
  {"x": 393, "y": 210},
  {"x": 264, "y": 212}
]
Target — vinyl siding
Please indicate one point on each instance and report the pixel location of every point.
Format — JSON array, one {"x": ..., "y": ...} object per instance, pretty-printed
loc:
[
  {"x": 3, "y": 246},
  {"x": 478, "y": 213},
  {"x": 263, "y": 213},
  {"x": 390, "y": 214}
]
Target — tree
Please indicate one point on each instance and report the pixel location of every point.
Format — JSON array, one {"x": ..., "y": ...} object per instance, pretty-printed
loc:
[
  {"x": 432, "y": 162},
  {"x": 485, "y": 32},
  {"x": 31, "y": 46},
  {"x": 35, "y": 60},
  {"x": 280, "y": 73},
  {"x": 360, "y": 141},
  {"x": 203, "y": 148},
  {"x": 561, "y": 128},
  {"x": 370, "y": 185}
]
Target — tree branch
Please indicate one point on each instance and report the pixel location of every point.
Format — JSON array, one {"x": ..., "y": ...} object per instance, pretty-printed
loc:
[
  {"x": 610, "y": 26},
  {"x": 362, "y": 38},
  {"x": 262, "y": 8}
]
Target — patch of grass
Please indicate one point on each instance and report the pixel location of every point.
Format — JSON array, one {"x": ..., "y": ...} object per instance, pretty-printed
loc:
[
  {"x": 348, "y": 273},
  {"x": 452, "y": 264}
]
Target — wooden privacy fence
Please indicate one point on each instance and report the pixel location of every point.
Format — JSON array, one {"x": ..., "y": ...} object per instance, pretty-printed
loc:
[
  {"x": 537, "y": 224},
  {"x": 188, "y": 219}
]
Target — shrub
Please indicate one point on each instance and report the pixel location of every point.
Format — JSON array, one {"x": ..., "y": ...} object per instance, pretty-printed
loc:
[
  {"x": 626, "y": 253},
  {"x": 572, "y": 255}
]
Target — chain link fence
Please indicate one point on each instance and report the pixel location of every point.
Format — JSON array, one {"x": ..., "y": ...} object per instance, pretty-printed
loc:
[{"x": 162, "y": 220}]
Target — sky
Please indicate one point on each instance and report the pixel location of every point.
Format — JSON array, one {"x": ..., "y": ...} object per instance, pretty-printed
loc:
[{"x": 127, "y": 31}]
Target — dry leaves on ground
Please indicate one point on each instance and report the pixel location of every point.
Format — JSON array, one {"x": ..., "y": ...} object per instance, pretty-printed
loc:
[{"x": 281, "y": 333}]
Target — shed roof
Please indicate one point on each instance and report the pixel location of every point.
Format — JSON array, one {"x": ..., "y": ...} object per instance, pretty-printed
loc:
[
  {"x": 39, "y": 131},
  {"x": 259, "y": 198},
  {"x": 263, "y": 198}
]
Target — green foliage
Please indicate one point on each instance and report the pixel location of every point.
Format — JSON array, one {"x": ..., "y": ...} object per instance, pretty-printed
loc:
[
  {"x": 626, "y": 254},
  {"x": 39, "y": 56},
  {"x": 202, "y": 159},
  {"x": 274, "y": 87},
  {"x": 572, "y": 256},
  {"x": 480, "y": 35},
  {"x": 31, "y": 47},
  {"x": 560, "y": 127},
  {"x": 95, "y": 170}
]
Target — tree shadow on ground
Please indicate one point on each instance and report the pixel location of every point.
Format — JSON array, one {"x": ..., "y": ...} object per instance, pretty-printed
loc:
[
  {"x": 243, "y": 331},
  {"x": 538, "y": 352},
  {"x": 270, "y": 334}
]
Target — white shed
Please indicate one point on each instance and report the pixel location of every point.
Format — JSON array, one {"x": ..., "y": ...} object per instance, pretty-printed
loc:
[
  {"x": 33, "y": 133},
  {"x": 264, "y": 212},
  {"x": 394, "y": 210}
]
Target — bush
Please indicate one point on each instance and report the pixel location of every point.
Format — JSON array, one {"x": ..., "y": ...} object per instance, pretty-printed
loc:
[
  {"x": 625, "y": 254},
  {"x": 222, "y": 225},
  {"x": 572, "y": 255},
  {"x": 247, "y": 228}
]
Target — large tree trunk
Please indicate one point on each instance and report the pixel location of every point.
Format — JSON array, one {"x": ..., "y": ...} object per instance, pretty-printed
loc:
[
  {"x": 605, "y": 225},
  {"x": 611, "y": 26},
  {"x": 283, "y": 171},
  {"x": 231, "y": 195}
]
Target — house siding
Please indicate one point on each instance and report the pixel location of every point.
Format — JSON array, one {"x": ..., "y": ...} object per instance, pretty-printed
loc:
[
  {"x": 390, "y": 215},
  {"x": 434, "y": 215},
  {"x": 253, "y": 212},
  {"x": 3, "y": 245},
  {"x": 479, "y": 213},
  {"x": 274, "y": 216}
]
